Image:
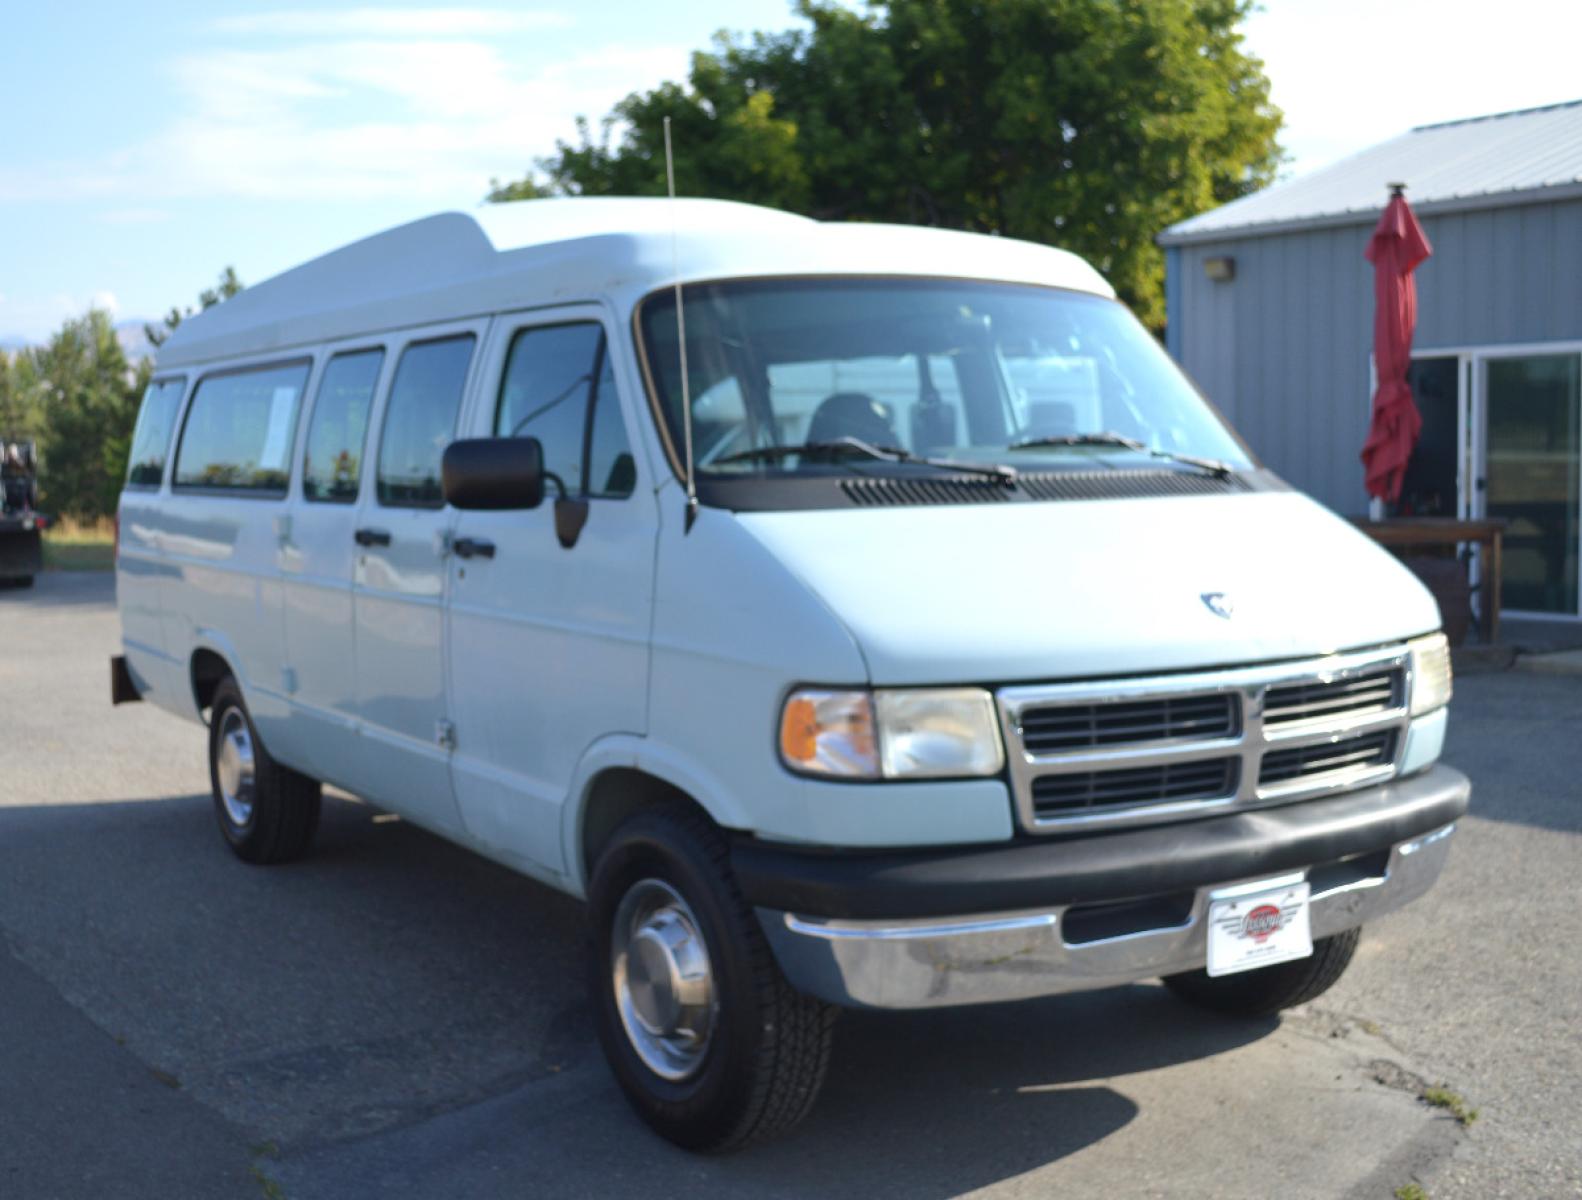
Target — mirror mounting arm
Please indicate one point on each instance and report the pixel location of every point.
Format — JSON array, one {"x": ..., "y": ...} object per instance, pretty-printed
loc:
[{"x": 571, "y": 512}]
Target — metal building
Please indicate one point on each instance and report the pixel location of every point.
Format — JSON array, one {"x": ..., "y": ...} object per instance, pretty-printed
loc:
[{"x": 1271, "y": 304}]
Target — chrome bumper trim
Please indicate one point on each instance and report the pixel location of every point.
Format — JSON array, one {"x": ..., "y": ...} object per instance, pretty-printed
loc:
[{"x": 978, "y": 958}]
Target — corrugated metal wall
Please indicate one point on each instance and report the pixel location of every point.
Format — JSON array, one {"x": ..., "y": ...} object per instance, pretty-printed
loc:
[{"x": 1283, "y": 348}]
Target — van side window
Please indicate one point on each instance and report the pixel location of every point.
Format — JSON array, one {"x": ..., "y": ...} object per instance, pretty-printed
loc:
[
  {"x": 151, "y": 438},
  {"x": 559, "y": 388},
  {"x": 239, "y": 430},
  {"x": 338, "y": 431},
  {"x": 420, "y": 421},
  {"x": 544, "y": 393},
  {"x": 612, "y": 472}
]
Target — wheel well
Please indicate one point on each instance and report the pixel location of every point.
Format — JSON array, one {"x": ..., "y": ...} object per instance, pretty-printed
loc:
[
  {"x": 208, "y": 668},
  {"x": 613, "y": 797}
]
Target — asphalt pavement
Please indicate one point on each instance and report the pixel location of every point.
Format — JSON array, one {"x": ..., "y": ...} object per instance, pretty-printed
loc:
[{"x": 395, "y": 1017}]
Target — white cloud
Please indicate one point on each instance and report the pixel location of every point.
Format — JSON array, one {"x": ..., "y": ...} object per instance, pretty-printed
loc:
[
  {"x": 390, "y": 22},
  {"x": 1352, "y": 73},
  {"x": 32, "y": 319},
  {"x": 420, "y": 119},
  {"x": 106, "y": 301}
]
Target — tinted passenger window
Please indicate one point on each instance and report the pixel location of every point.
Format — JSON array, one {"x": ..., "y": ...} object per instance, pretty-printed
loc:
[
  {"x": 420, "y": 421},
  {"x": 544, "y": 394},
  {"x": 151, "y": 438},
  {"x": 239, "y": 429},
  {"x": 611, "y": 471},
  {"x": 558, "y": 387},
  {"x": 339, "y": 428}
]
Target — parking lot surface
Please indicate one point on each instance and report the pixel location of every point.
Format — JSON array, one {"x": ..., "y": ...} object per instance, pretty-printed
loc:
[{"x": 395, "y": 1017}]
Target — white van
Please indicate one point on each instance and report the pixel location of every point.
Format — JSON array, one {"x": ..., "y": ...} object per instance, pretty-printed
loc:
[{"x": 906, "y": 632}]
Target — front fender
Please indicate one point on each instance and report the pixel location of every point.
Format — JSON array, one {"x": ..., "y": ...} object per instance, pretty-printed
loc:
[{"x": 658, "y": 761}]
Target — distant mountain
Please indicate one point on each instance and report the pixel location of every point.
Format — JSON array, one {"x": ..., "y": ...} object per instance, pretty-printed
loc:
[{"x": 11, "y": 343}]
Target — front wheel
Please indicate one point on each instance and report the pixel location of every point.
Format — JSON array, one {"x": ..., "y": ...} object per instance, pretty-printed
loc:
[
  {"x": 713, "y": 1048},
  {"x": 267, "y": 812},
  {"x": 1268, "y": 990}
]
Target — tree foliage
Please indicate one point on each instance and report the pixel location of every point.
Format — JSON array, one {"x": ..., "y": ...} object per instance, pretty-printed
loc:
[
  {"x": 225, "y": 287},
  {"x": 1086, "y": 124},
  {"x": 83, "y": 394},
  {"x": 77, "y": 395}
]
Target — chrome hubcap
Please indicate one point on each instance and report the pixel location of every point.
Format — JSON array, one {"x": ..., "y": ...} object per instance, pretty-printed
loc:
[
  {"x": 664, "y": 986},
  {"x": 234, "y": 767}
]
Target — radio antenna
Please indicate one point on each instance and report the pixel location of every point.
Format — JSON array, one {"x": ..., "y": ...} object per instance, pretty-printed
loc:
[{"x": 681, "y": 338}]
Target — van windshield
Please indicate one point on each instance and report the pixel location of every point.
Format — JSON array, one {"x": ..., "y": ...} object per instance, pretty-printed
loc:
[{"x": 1033, "y": 377}]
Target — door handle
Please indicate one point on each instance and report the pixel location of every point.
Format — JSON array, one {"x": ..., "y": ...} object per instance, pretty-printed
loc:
[
  {"x": 372, "y": 537},
  {"x": 473, "y": 548}
]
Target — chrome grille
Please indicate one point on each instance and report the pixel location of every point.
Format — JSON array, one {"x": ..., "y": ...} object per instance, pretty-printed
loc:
[
  {"x": 1306, "y": 762},
  {"x": 1113, "y": 753},
  {"x": 1090, "y": 791},
  {"x": 1371, "y": 692},
  {"x": 1074, "y": 726}
]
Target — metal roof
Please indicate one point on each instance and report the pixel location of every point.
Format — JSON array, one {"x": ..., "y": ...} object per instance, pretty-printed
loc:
[{"x": 1481, "y": 162}]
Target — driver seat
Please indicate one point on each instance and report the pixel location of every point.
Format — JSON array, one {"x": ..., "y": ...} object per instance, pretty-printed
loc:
[{"x": 855, "y": 415}]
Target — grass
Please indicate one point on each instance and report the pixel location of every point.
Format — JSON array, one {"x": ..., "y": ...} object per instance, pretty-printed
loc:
[
  {"x": 1410, "y": 1191},
  {"x": 1452, "y": 1102},
  {"x": 72, "y": 545}
]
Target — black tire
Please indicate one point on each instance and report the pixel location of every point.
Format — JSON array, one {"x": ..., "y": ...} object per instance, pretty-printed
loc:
[
  {"x": 284, "y": 812},
  {"x": 1269, "y": 990},
  {"x": 768, "y": 1049}
]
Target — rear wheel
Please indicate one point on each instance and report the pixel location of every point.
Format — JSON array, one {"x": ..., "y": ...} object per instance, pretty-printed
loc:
[
  {"x": 713, "y": 1048},
  {"x": 267, "y": 812},
  {"x": 1268, "y": 990}
]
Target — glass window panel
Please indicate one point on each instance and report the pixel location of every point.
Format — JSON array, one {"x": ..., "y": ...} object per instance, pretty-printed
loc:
[
  {"x": 420, "y": 421},
  {"x": 338, "y": 430},
  {"x": 612, "y": 472},
  {"x": 239, "y": 430},
  {"x": 544, "y": 394},
  {"x": 151, "y": 438},
  {"x": 1533, "y": 450}
]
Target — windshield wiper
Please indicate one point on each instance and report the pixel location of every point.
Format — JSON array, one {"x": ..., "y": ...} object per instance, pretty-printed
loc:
[
  {"x": 1006, "y": 475},
  {"x": 1212, "y": 465}
]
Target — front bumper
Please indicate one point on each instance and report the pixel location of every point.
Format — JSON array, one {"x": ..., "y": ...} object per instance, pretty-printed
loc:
[{"x": 902, "y": 930}]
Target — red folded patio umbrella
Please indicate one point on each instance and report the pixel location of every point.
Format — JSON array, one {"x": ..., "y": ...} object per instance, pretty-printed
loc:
[{"x": 1397, "y": 246}]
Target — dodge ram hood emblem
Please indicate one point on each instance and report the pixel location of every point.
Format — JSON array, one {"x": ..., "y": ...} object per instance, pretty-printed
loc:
[{"x": 1219, "y": 604}]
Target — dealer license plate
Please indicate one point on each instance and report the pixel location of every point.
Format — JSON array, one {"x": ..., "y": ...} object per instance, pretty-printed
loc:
[{"x": 1258, "y": 924}]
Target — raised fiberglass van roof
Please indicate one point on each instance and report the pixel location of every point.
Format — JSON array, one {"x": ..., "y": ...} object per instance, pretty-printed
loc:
[{"x": 536, "y": 253}]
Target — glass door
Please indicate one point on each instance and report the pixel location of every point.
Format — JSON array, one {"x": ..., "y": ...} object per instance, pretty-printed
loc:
[
  {"x": 1432, "y": 486},
  {"x": 1532, "y": 459}
]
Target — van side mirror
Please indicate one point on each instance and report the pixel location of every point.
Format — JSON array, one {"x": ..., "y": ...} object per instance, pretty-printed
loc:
[{"x": 492, "y": 474}]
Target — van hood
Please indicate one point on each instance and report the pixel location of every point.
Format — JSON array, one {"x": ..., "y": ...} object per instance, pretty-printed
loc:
[{"x": 1045, "y": 591}]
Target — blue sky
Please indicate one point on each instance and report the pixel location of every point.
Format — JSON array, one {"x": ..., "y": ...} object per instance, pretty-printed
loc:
[{"x": 147, "y": 146}]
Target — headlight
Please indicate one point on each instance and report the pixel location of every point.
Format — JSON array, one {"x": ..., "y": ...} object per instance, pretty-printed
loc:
[
  {"x": 1430, "y": 673},
  {"x": 910, "y": 734},
  {"x": 829, "y": 733}
]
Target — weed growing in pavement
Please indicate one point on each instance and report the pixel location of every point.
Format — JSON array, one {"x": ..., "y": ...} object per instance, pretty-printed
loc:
[{"x": 1451, "y": 1101}]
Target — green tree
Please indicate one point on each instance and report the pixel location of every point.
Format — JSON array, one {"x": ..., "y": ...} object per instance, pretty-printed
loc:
[
  {"x": 17, "y": 408},
  {"x": 86, "y": 394},
  {"x": 1086, "y": 124},
  {"x": 226, "y": 287}
]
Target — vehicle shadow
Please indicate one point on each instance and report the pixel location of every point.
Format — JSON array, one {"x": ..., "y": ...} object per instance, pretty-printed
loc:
[{"x": 393, "y": 984}]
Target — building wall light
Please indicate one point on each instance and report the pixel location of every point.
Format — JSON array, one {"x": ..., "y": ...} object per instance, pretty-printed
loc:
[{"x": 1220, "y": 268}]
